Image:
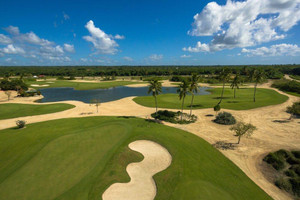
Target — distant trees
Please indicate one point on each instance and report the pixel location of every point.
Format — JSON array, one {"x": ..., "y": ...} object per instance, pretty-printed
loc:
[
  {"x": 242, "y": 129},
  {"x": 183, "y": 91},
  {"x": 235, "y": 83},
  {"x": 194, "y": 88},
  {"x": 14, "y": 84},
  {"x": 155, "y": 88}
]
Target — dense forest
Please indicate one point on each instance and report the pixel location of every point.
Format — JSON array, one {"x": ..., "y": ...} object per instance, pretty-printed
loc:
[{"x": 272, "y": 71}]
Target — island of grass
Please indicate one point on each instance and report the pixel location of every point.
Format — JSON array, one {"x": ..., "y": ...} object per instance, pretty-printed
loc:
[
  {"x": 79, "y": 158},
  {"x": 13, "y": 110},
  {"x": 78, "y": 85},
  {"x": 243, "y": 100}
]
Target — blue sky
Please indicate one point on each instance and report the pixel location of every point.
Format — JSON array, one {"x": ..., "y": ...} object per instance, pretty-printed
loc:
[{"x": 164, "y": 32}]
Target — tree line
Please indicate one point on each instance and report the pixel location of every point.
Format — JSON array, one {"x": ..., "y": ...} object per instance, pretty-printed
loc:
[{"x": 272, "y": 71}]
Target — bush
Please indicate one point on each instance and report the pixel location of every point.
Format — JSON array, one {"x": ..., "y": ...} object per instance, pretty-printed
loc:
[
  {"x": 290, "y": 173},
  {"x": 174, "y": 117},
  {"x": 295, "y": 182},
  {"x": 284, "y": 183},
  {"x": 296, "y": 154},
  {"x": 178, "y": 79},
  {"x": 276, "y": 161},
  {"x": 225, "y": 118},
  {"x": 21, "y": 123},
  {"x": 286, "y": 85},
  {"x": 15, "y": 84},
  {"x": 72, "y": 78},
  {"x": 296, "y": 169},
  {"x": 294, "y": 109},
  {"x": 61, "y": 78}
]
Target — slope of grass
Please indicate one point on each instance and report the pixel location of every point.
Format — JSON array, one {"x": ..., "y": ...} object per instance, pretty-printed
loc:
[
  {"x": 79, "y": 85},
  {"x": 79, "y": 158},
  {"x": 243, "y": 100},
  {"x": 13, "y": 110}
]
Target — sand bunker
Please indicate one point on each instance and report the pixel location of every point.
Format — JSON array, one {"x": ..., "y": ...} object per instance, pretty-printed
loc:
[
  {"x": 141, "y": 185},
  {"x": 34, "y": 85}
]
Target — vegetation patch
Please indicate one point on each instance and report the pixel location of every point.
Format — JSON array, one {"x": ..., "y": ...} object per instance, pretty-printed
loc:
[
  {"x": 243, "y": 100},
  {"x": 287, "y": 164},
  {"x": 288, "y": 86},
  {"x": 14, "y": 110},
  {"x": 294, "y": 109},
  {"x": 79, "y": 158},
  {"x": 174, "y": 117},
  {"x": 225, "y": 118}
]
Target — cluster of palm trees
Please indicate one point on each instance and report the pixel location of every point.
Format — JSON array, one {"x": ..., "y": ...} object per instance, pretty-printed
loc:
[
  {"x": 186, "y": 86},
  {"x": 190, "y": 86}
]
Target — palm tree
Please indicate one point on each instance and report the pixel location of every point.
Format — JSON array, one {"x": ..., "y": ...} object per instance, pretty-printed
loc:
[
  {"x": 224, "y": 75},
  {"x": 155, "y": 89},
  {"x": 257, "y": 76},
  {"x": 194, "y": 88},
  {"x": 235, "y": 83},
  {"x": 183, "y": 91}
]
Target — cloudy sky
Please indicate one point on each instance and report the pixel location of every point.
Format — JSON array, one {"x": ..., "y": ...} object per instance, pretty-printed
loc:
[{"x": 149, "y": 32}]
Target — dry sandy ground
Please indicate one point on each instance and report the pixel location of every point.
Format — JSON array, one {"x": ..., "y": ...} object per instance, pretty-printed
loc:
[
  {"x": 289, "y": 78},
  {"x": 270, "y": 135},
  {"x": 165, "y": 83},
  {"x": 141, "y": 185}
]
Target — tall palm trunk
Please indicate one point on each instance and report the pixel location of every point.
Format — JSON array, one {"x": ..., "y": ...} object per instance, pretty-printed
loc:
[
  {"x": 254, "y": 92},
  {"x": 182, "y": 108},
  {"x": 192, "y": 104},
  {"x": 155, "y": 106},
  {"x": 222, "y": 92},
  {"x": 234, "y": 93}
]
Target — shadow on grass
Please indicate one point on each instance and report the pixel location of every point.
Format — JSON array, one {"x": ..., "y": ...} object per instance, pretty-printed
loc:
[
  {"x": 209, "y": 115},
  {"x": 196, "y": 106},
  {"x": 126, "y": 117},
  {"x": 232, "y": 101},
  {"x": 225, "y": 145},
  {"x": 221, "y": 98}
]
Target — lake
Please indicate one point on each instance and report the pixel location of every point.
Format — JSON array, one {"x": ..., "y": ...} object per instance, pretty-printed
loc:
[{"x": 104, "y": 95}]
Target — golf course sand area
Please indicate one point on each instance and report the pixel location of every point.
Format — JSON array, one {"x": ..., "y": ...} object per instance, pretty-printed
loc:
[{"x": 141, "y": 185}]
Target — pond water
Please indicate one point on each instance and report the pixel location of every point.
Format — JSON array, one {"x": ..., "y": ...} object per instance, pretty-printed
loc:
[{"x": 104, "y": 95}]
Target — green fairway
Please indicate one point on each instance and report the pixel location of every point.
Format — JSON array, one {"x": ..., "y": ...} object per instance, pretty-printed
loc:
[
  {"x": 79, "y": 85},
  {"x": 13, "y": 110},
  {"x": 243, "y": 100},
  {"x": 79, "y": 158}
]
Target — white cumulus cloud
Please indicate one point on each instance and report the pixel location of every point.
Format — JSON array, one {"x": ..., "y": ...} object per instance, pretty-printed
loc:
[
  {"x": 185, "y": 56},
  {"x": 244, "y": 23},
  {"x": 102, "y": 42},
  {"x": 156, "y": 57},
  {"x": 274, "y": 50},
  {"x": 69, "y": 48},
  {"x": 5, "y": 39},
  {"x": 11, "y": 49},
  {"x": 127, "y": 58}
]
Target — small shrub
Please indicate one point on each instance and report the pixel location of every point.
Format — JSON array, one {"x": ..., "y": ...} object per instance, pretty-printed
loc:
[
  {"x": 225, "y": 118},
  {"x": 296, "y": 154},
  {"x": 290, "y": 173},
  {"x": 174, "y": 117},
  {"x": 284, "y": 183},
  {"x": 294, "y": 109},
  {"x": 295, "y": 182},
  {"x": 21, "y": 123},
  {"x": 276, "y": 161},
  {"x": 296, "y": 169}
]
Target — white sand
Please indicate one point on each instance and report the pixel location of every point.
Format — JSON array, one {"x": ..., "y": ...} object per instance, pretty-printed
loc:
[{"x": 141, "y": 185}]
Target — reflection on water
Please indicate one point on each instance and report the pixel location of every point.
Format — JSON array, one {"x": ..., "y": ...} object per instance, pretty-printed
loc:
[{"x": 105, "y": 95}]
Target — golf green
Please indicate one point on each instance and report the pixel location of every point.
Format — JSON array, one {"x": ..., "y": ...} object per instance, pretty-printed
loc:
[
  {"x": 79, "y": 158},
  {"x": 13, "y": 110},
  {"x": 243, "y": 100}
]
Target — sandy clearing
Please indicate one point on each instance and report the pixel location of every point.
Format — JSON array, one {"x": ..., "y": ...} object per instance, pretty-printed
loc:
[
  {"x": 141, "y": 185},
  {"x": 165, "y": 83},
  {"x": 270, "y": 136},
  {"x": 289, "y": 78},
  {"x": 35, "y": 85}
]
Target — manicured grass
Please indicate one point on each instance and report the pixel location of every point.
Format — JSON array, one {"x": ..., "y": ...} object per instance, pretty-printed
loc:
[
  {"x": 80, "y": 85},
  {"x": 13, "y": 110},
  {"x": 243, "y": 100},
  {"x": 79, "y": 158}
]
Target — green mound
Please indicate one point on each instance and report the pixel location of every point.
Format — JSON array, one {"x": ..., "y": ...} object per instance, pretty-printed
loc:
[
  {"x": 243, "y": 100},
  {"x": 79, "y": 158},
  {"x": 13, "y": 110}
]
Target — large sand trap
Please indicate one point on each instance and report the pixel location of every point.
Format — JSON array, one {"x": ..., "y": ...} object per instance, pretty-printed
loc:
[{"x": 141, "y": 185}]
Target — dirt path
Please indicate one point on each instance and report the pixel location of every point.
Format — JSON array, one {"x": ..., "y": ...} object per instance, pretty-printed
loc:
[
  {"x": 270, "y": 135},
  {"x": 141, "y": 185},
  {"x": 289, "y": 78}
]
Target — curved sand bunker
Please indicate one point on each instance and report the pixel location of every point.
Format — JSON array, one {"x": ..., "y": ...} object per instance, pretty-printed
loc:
[
  {"x": 35, "y": 85},
  {"x": 141, "y": 185}
]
